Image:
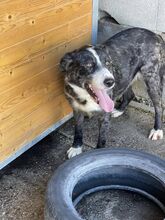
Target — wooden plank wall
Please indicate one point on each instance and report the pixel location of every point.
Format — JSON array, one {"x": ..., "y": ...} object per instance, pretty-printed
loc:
[{"x": 34, "y": 34}]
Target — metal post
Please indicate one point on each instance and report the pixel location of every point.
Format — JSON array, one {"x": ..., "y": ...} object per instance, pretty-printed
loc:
[{"x": 95, "y": 21}]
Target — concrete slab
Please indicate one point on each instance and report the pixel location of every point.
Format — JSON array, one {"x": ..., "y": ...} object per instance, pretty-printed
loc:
[{"x": 161, "y": 16}]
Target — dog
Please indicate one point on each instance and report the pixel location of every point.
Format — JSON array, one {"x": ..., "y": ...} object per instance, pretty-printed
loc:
[{"x": 95, "y": 76}]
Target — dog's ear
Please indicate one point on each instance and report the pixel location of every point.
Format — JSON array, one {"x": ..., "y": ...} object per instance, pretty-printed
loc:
[
  {"x": 67, "y": 61},
  {"x": 106, "y": 50}
]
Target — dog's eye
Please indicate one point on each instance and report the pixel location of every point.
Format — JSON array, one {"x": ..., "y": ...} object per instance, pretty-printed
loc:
[
  {"x": 107, "y": 63},
  {"x": 89, "y": 64}
]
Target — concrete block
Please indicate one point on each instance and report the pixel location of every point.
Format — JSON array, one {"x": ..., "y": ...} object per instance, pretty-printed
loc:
[
  {"x": 139, "y": 13},
  {"x": 161, "y": 16}
]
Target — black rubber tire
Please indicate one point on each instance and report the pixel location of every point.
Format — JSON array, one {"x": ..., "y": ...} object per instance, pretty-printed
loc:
[{"x": 103, "y": 169}]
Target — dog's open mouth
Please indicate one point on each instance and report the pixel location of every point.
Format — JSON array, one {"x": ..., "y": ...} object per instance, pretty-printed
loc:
[
  {"x": 101, "y": 97},
  {"x": 91, "y": 92}
]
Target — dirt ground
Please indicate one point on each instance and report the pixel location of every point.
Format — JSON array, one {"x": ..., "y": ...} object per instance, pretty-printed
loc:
[{"x": 23, "y": 183}]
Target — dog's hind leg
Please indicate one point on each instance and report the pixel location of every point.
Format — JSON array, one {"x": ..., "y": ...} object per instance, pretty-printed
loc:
[
  {"x": 125, "y": 100},
  {"x": 78, "y": 135},
  {"x": 163, "y": 88},
  {"x": 154, "y": 85}
]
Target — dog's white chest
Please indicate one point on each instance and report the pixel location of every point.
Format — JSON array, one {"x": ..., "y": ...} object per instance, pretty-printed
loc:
[{"x": 90, "y": 105}]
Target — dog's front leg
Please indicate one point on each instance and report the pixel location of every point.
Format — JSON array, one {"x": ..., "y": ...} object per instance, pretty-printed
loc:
[
  {"x": 104, "y": 122},
  {"x": 78, "y": 135}
]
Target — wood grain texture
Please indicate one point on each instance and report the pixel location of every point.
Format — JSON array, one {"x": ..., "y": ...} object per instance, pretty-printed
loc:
[
  {"x": 13, "y": 76},
  {"x": 53, "y": 38},
  {"x": 12, "y": 33},
  {"x": 34, "y": 36},
  {"x": 33, "y": 125}
]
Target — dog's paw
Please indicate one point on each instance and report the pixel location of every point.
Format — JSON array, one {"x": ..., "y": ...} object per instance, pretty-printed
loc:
[
  {"x": 73, "y": 151},
  {"x": 156, "y": 134},
  {"x": 116, "y": 113}
]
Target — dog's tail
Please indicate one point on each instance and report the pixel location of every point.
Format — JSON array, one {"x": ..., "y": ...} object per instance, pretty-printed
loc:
[{"x": 106, "y": 17}]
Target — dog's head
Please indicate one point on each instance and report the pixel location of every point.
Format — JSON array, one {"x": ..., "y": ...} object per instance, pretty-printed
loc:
[{"x": 90, "y": 68}]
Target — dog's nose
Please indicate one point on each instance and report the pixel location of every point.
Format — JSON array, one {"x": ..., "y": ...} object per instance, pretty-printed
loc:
[{"x": 108, "y": 82}]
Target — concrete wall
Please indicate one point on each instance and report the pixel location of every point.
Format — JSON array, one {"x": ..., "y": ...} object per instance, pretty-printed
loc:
[{"x": 141, "y": 13}]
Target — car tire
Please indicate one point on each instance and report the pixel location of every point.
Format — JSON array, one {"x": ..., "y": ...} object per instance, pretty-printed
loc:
[{"x": 103, "y": 169}]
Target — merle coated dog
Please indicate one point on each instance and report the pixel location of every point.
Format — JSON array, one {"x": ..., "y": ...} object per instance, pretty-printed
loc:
[{"x": 95, "y": 76}]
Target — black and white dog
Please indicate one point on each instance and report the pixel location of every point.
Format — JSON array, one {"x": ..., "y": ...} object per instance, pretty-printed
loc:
[{"x": 96, "y": 75}]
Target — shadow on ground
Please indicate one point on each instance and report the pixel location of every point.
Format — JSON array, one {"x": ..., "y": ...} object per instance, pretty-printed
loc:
[{"x": 23, "y": 183}]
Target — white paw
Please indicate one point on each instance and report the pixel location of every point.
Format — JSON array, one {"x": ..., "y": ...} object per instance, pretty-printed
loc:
[
  {"x": 116, "y": 113},
  {"x": 72, "y": 152},
  {"x": 156, "y": 134}
]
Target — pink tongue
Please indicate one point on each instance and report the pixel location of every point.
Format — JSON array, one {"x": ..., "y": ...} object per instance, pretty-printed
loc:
[{"x": 105, "y": 101}]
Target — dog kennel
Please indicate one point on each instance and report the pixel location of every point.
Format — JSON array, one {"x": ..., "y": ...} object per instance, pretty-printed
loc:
[{"x": 34, "y": 36}]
